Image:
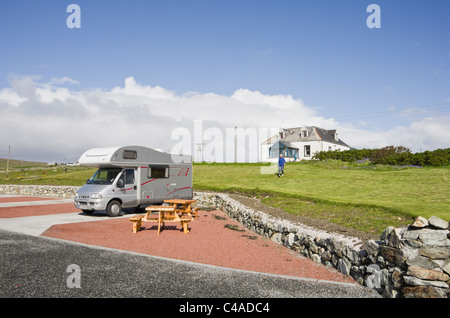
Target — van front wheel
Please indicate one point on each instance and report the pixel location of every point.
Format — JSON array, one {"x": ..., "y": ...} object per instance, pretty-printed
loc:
[{"x": 114, "y": 208}]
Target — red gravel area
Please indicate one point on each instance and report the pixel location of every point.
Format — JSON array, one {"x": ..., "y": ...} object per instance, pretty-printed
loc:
[
  {"x": 32, "y": 210},
  {"x": 213, "y": 239},
  {"x": 22, "y": 199}
]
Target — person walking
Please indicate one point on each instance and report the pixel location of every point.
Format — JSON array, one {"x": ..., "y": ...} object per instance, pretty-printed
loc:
[{"x": 281, "y": 164}]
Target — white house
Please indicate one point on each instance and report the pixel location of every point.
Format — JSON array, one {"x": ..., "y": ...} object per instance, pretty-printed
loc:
[{"x": 301, "y": 143}]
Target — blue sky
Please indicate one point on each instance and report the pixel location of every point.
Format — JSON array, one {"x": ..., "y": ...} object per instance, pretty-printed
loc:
[{"x": 320, "y": 52}]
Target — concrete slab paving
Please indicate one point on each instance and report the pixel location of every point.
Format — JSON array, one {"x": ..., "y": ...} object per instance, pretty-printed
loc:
[
  {"x": 31, "y": 203},
  {"x": 36, "y": 225}
]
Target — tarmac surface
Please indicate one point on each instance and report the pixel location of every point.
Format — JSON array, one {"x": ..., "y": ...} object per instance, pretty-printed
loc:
[{"x": 35, "y": 265}]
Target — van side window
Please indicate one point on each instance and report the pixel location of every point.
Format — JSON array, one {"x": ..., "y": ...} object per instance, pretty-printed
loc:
[
  {"x": 158, "y": 171},
  {"x": 128, "y": 176},
  {"x": 129, "y": 154}
]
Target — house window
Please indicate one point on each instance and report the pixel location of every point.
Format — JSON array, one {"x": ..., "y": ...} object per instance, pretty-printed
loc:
[
  {"x": 273, "y": 153},
  {"x": 307, "y": 151},
  {"x": 292, "y": 153}
]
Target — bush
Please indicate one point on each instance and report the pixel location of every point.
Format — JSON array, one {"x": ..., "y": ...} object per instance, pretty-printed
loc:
[
  {"x": 348, "y": 155},
  {"x": 439, "y": 157},
  {"x": 390, "y": 156}
]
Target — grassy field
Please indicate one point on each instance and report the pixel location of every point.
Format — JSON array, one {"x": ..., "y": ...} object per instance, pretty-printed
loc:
[
  {"x": 360, "y": 196},
  {"x": 18, "y": 164},
  {"x": 357, "y": 195},
  {"x": 72, "y": 176}
]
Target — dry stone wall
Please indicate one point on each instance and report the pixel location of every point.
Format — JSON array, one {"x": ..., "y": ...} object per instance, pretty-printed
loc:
[
  {"x": 412, "y": 261},
  {"x": 40, "y": 190}
]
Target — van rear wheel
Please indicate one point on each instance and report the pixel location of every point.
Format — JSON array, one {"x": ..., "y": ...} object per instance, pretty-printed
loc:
[{"x": 114, "y": 208}]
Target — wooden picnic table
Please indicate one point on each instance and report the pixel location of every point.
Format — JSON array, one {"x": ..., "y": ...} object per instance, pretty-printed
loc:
[
  {"x": 186, "y": 206},
  {"x": 165, "y": 214}
]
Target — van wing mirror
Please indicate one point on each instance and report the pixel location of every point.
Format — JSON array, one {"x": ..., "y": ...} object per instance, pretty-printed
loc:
[{"x": 120, "y": 183}]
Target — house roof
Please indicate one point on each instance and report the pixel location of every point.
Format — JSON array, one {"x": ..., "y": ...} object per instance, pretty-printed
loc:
[
  {"x": 313, "y": 133},
  {"x": 328, "y": 136},
  {"x": 283, "y": 144}
]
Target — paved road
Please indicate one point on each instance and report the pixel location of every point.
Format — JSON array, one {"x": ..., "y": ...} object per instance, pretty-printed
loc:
[{"x": 33, "y": 266}]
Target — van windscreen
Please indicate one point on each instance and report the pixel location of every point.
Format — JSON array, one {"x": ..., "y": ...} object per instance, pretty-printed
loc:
[{"x": 104, "y": 176}]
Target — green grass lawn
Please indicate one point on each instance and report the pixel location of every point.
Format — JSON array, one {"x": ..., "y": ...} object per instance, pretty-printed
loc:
[
  {"x": 364, "y": 197},
  {"x": 357, "y": 195}
]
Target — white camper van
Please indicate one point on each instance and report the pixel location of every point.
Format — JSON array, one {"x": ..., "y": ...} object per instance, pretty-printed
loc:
[{"x": 132, "y": 177}]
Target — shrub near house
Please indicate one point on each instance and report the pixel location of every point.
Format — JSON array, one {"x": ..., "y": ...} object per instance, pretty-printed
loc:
[{"x": 390, "y": 156}]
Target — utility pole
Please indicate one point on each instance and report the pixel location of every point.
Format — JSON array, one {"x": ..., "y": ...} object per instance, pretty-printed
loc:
[
  {"x": 7, "y": 161},
  {"x": 235, "y": 144},
  {"x": 199, "y": 152}
]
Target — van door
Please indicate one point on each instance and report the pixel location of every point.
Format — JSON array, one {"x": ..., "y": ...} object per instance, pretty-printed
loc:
[
  {"x": 160, "y": 187},
  {"x": 128, "y": 193}
]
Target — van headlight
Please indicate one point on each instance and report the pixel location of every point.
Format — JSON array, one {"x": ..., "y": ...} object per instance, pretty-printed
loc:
[{"x": 95, "y": 196}]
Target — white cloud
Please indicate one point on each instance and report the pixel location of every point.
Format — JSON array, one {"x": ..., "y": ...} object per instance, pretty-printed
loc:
[
  {"x": 64, "y": 80},
  {"x": 45, "y": 121},
  {"x": 428, "y": 133},
  {"x": 9, "y": 96},
  {"x": 256, "y": 98}
]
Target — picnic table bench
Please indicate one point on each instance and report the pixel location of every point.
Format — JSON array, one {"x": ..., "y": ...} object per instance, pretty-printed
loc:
[{"x": 184, "y": 206}]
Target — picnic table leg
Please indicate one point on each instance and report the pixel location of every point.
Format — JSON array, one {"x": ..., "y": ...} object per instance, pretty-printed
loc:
[
  {"x": 137, "y": 226},
  {"x": 195, "y": 212},
  {"x": 137, "y": 223},
  {"x": 160, "y": 221},
  {"x": 184, "y": 226}
]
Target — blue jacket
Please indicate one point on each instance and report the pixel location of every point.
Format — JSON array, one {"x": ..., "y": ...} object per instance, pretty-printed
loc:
[{"x": 281, "y": 162}]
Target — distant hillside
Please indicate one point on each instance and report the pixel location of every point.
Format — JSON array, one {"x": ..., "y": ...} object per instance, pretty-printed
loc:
[{"x": 19, "y": 164}]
